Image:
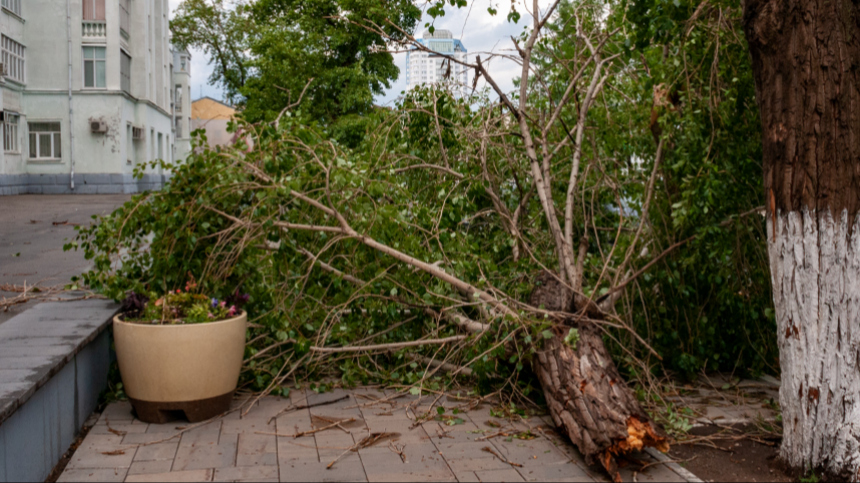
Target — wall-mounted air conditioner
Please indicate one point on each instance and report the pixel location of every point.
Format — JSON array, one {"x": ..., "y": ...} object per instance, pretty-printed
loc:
[{"x": 98, "y": 127}]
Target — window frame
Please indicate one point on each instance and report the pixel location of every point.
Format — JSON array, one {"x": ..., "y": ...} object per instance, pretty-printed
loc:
[
  {"x": 95, "y": 61},
  {"x": 53, "y": 136},
  {"x": 124, "y": 78},
  {"x": 14, "y": 56},
  {"x": 125, "y": 17},
  {"x": 11, "y": 140},
  {"x": 95, "y": 10},
  {"x": 10, "y": 5}
]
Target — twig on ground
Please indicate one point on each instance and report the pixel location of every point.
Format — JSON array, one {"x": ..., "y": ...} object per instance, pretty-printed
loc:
[
  {"x": 368, "y": 440},
  {"x": 307, "y": 406},
  {"x": 398, "y": 450},
  {"x": 497, "y": 455},
  {"x": 310, "y": 431}
]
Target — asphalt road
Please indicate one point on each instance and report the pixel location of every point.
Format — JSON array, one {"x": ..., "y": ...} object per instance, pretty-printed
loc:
[{"x": 33, "y": 229}]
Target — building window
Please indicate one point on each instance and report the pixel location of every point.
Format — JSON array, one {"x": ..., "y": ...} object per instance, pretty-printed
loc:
[
  {"x": 44, "y": 140},
  {"x": 10, "y": 133},
  {"x": 94, "y": 67},
  {"x": 124, "y": 7},
  {"x": 13, "y": 6},
  {"x": 13, "y": 59},
  {"x": 125, "y": 72},
  {"x": 94, "y": 9}
]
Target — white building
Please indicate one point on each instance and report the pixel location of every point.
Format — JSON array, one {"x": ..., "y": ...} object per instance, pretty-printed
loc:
[
  {"x": 182, "y": 126},
  {"x": 429, "y": 68},
  {"x": 87, "y": 95}
]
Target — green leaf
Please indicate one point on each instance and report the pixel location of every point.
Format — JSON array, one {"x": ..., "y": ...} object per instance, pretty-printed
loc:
[{"x": 546, "y": 334}]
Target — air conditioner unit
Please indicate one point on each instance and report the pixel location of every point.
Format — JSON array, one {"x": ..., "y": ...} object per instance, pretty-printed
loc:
[
  {"x": 137, "y": 133},
  {"x": 98, "y": 127}
]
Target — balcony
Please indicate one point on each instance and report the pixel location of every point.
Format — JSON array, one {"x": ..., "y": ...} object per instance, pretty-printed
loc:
[{"x": 94, "y": 30}]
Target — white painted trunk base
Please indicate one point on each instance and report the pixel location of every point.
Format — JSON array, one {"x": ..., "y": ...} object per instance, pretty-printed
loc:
[{"x": 815, "y": 269}]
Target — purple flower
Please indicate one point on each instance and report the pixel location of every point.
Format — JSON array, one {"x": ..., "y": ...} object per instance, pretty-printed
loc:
[{"x": 214, "y": 303}]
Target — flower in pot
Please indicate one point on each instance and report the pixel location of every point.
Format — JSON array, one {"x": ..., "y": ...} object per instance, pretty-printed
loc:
[{"x": 181, "y": 352}]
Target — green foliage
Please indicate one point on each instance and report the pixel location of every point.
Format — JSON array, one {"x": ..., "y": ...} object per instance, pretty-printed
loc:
[
  {"x": 687, "y": 78},
  {"x": 676, "y": 422},
  {"x": 572, "y": 338},
  {"x": 268, "y": 53}
]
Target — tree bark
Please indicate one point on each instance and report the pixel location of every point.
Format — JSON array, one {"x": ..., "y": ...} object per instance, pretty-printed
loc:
[
  {"x": 806, "y": 63},
  {"x": 587, "y": 397}
]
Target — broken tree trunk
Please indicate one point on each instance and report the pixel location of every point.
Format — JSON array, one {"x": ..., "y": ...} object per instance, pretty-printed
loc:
[{"x": 586, "y": 396}]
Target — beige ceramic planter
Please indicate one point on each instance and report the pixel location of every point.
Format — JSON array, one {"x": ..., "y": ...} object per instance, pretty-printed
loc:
[{"x": 190, "y": 368}]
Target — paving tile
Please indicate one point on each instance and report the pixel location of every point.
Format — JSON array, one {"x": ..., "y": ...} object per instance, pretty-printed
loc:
[
  {"x": 250, "y": 473},
  {"x": 464, "y": 450},
  {"x": 143, "y": 438},
  {"x": 148, "y": 467},
  {"x": 536, "y": 452},
  {"x": 158, "y": 451},
  {"x": 555, "y": 472},
  {"x": 503, "y": 475},
  {"x": 126, "y": 428},
  {"x": 265, "y": 408},
  {"x": 232, "y": 450},
  {"x": 331, "y": 443},
  {"x": 203, "y": 435},
  {"x": 467, "y": 477},
  {"x": 247, "y": 426},
  {"x": 92, "y": 474},
  {"x": 117, "y": 411},
  {"x": 176, "y": 476},
  {"x": 293, "y": 423},
  {"x": 312, "y": 471},
  {"x": 417, "y": 477},
  {"x": 290, "y": 449},
  {"x": 202, "y": 451},
  {"x": 476, "y": 464},
  {"x": 166, "y": 428},
  {"x": 91, "y": 455}
]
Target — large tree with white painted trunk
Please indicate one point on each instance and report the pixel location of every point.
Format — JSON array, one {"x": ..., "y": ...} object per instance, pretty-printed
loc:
[{"x": 806, "y": 60}]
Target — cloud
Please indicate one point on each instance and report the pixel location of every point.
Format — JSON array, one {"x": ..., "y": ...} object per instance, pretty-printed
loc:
[{"x": 481, "y": 33}]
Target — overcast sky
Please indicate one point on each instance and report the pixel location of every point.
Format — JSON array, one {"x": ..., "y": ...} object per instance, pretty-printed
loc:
[{"x": 479, "y": 31}]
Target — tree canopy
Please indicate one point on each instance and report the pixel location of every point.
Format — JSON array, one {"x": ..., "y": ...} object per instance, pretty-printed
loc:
[{"x": 270, "y": 54}]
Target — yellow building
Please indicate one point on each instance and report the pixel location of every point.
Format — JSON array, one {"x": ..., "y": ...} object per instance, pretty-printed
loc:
[{"x": 212, "y": 115}]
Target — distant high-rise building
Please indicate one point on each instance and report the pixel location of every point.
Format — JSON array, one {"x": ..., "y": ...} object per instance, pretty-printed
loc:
[{"x": 431, "y": 68}]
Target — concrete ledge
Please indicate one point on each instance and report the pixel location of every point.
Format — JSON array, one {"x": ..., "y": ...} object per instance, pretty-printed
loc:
[
  {"x": 85, "y": 184},
  {"x": 54, "y": 360}
]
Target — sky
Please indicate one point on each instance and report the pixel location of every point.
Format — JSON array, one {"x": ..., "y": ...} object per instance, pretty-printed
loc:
[{"x": 480, "y": 32}]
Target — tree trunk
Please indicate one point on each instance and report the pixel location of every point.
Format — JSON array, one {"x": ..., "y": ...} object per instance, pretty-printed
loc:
[
  {"x": 586, "y": 396},
  {"x": 806, "y": 63}
]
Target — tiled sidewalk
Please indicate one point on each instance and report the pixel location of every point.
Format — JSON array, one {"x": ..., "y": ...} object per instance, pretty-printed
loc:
[{"x": 121, "y": 448}]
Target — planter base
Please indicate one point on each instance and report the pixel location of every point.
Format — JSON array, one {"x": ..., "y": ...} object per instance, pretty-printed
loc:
[{"x": 194, "y": 411}]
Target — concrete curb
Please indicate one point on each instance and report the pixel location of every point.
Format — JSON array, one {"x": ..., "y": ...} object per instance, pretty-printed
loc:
[{"x": 680, "y": 470}]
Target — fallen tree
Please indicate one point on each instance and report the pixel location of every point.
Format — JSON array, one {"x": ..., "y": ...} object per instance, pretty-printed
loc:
[{"x": 465, "y": 234}]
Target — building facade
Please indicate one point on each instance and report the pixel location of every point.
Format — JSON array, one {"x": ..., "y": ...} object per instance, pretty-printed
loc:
[
  {"x": 430, "y": 68},
  {"x": 88, "y": 89},
  {"x": 182, "y": 108}
]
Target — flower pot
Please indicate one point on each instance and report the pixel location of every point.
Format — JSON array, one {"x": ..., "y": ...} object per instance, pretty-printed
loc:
[{"x": 167, "y": 369}]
